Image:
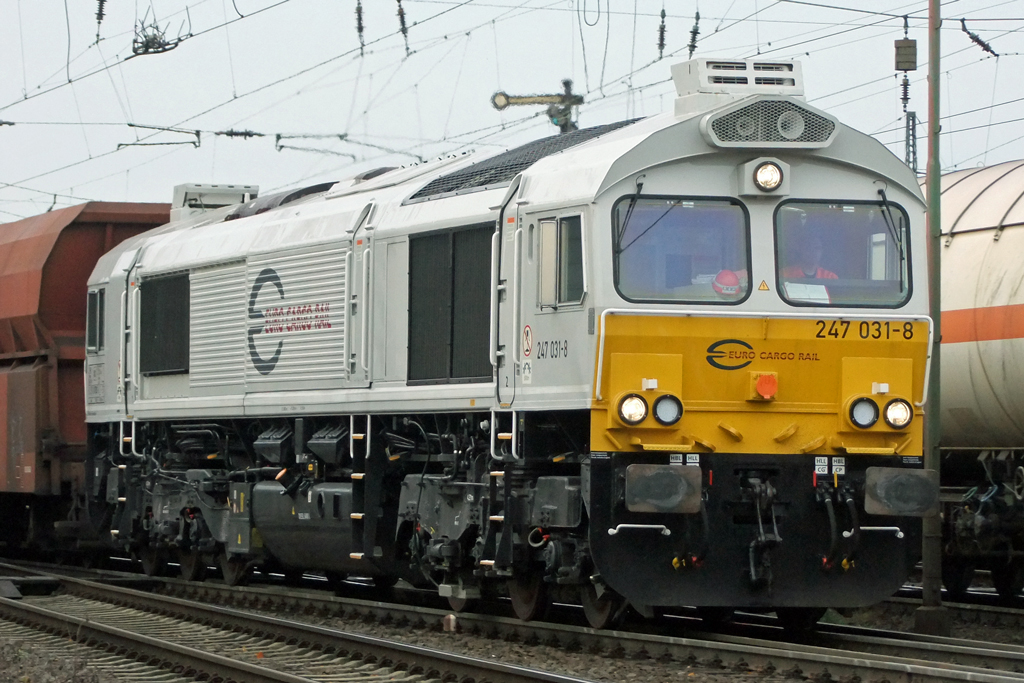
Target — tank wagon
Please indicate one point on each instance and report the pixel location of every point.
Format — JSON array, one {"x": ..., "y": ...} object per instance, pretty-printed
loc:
[
  {"x": 44, "y": 264},
  {"x": 983, "y": 376},
  {"x": 671, "y": 361}
]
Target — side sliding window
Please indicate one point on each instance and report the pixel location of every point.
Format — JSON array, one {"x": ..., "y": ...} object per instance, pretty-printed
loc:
[{"x": 561, "y": 262}]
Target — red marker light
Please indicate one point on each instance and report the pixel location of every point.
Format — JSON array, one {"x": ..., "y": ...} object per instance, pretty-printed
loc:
[{"x": 767, "y": 386}]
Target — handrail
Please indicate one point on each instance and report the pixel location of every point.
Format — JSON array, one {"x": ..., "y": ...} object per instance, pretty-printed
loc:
[
  {"x": 495, "y": 276},
  {"x": 517, "y": 244},
  {"x": 364, "y": 356},
  {"x": 756, "y": 314}
]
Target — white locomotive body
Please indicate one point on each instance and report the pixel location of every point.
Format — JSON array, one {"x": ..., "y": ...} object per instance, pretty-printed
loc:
[{"x": 474, "y": 371}]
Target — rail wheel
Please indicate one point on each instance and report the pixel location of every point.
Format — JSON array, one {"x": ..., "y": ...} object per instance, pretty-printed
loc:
[
  {"x": 462, "y": 604},
  {"x": 335, "y": 580},
  {"x": 192, "y": 565},
  {"x": 154, "y": 561},
  {"x": 293, "y": 577},
  {"x": 384, "y": 581},
  {"x": 529, "y": 596},
  {"x": 716, "y": 616},
  {"x": 235, "y": 569},
  {"x": 957, "y": 575},
  {"x": 1008, "y": 579},
  {"x": 799, "y": 618},
  {"x": 602, "y": 611}
]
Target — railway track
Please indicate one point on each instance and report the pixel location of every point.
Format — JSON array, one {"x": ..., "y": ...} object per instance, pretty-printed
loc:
[
  {"x": 182, "y": 640},
  {"x": 757, "y": 645}
]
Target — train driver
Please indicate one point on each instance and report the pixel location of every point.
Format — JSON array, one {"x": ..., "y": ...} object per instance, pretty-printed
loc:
[{"x": 803, "y": 257}]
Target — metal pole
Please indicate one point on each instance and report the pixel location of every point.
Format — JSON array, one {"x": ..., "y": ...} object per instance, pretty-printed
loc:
[{"x": 932, "y": 617}]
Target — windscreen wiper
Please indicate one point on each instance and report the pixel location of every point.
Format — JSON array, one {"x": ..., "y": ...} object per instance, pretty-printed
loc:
[{"x": 891, "y": 225}]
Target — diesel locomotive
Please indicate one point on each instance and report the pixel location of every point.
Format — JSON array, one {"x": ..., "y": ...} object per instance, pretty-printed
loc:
[{"x": 679, "y": 360}]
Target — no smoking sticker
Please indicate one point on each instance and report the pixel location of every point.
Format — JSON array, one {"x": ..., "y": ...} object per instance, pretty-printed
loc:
[{"x": 527, "y": 340}]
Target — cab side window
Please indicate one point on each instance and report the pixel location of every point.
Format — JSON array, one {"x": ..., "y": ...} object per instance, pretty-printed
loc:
[
  {"x": 94, "y": 341},
  {"x": 561, "y": 262}
]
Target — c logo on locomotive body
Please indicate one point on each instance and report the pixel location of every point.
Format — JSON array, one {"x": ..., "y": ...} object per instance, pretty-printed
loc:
[
  {"x": 267, "y": 275},
  {"x": 716, "y": 353}
]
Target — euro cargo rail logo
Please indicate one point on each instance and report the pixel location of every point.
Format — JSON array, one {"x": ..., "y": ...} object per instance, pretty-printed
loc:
[
  {"x": 266, "y": 276},
  {"x": 730, "y": 354}
]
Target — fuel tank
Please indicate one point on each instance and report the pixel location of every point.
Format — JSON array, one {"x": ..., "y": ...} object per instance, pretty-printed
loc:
[{"x": 983, "y": 307}]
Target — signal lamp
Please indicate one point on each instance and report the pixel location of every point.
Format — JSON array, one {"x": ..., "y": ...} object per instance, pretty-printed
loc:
[
  {"x": 898, "y": 413},
  {"x": 864, "y": 413},
  {"x": 633, "y": 409},
  {"x": 768, "y": 177},
  {"x": 667, "y": 409}
]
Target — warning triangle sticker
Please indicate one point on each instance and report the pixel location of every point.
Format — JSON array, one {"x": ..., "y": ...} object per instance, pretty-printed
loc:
[{"x": 763, "y": 287}]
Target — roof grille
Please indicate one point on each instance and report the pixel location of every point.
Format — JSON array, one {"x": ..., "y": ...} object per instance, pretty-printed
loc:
[
  {"x": 498, "y": 171},
  {"x": 773, "y": 80},
  {"x": 770, "y": 123},
  {"x": 759, "y": 66},
  {"x": 735, "y": 80},
  {"x": 727, "y": 66}
]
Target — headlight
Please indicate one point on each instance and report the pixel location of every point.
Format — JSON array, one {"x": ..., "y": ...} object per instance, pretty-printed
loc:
[
  {"x": 633, "y": 409},
  {"x": 864, "y": 412},
  {"x": 898, "y": 413},
  {"x": 768, "y": 177},
  {"x": 667, "y": 409}
]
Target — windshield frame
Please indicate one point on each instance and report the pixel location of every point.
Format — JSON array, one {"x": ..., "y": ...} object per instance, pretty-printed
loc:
[
  {"x": 615, "y": 235},
  {"x": 883, "y": 206}
]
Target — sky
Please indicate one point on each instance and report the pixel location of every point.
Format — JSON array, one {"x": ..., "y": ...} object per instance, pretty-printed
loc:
[{"x": 92, "y": 120}]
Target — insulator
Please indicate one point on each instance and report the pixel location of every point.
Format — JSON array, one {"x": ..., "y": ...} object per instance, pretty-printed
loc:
[
  {"x": 694, "y": 32},
  {"x": 359, "y": 25},
  {"x": 905, "y": 87},
  {"x": 99, "y": 10},
  {"x": 661, "y": 34},
  {"x": 402, "y": 26}
]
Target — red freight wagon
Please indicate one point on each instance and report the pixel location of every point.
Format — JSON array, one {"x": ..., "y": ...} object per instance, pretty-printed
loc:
[{"x": 44, "y": 263}]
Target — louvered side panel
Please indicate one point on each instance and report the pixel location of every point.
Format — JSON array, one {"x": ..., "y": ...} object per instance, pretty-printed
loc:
[
  {"x": 218, "y": 336},
  {"x": 296, "y": 323}
]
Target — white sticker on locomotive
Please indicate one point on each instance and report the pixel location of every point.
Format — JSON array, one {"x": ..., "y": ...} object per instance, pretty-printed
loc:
[
  {"x": 675, "y": 458},
  {"x": 693, "y": 458},
  {"x": 527, "y": 341},
  {"x": 839, "y": 465},
  {"x": 527, "y": 372},
  {"x": 821, "y": 465}
]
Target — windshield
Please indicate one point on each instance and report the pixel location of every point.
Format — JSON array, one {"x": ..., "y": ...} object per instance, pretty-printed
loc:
[
  {"x": 681, "y": 250},
  {"x": 842, "y": 254}
]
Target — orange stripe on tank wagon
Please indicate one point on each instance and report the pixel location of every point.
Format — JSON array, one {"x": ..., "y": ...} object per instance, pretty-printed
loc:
[{"x": 983, "y": 324}]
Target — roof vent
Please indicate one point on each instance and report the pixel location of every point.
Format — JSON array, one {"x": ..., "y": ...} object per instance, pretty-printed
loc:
[
  {"x": 738, "y": 77},
  {"x": 769, "y": 122},
  {"x": 195, "y": 198}
]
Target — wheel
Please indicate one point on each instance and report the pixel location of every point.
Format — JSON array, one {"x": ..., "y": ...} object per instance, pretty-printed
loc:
[
  {"x": 716, "y": 616},
  {"x": 529, "y": 597},
  {"x": 799, "y": 618},
  {"x": 462, "y": 604},
  {"x": 1008, "y": 579},
  {"x": 385, "y": 581},
  {"x": 957, "y": 575},
  {"x": 604, "y": 611},
  {"x": 293, "y": 577},
  {"x": 235, "y": 569},
  {"x": 154, "y": 561},
  {"x": 192, "y": 565},
  {"x": 335, "y": 580}
]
